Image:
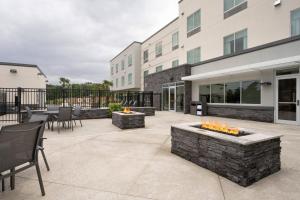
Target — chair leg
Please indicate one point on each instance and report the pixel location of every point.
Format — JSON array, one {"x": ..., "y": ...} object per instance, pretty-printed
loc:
[
  {"x": 12, "y": 179},
  {"x": 71, "y": 125},
  {"x": 40, "y": 178},
  {"x": 75, "y": 122},
  {"x": 3, "y": 185},
  {"x": 80, "y": 122},
  {"x": 45, "y": 159},
  {"x": 58, "y": 126}
]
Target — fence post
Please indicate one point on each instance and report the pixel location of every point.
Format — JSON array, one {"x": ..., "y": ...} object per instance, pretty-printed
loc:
[
  {"x": 143, "y": 99},
  {"x": 19, "y": 104},
  {"x": 151, "y": 99},
  {"x": 100, "y": 98}
]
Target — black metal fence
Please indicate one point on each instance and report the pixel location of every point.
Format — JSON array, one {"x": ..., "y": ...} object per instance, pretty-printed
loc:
[{"x": 14, "y": 100}]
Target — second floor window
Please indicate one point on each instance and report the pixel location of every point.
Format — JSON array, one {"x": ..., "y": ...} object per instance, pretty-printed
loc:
[
  {"x": 123, "y": 80},
  {"x": 295, "y": 22},
  {"x": 194, "y": 56},
  {"x": 146, "y": 56},
  {"x": 175, "y": 41},
  {"x": 159, "y": 68},
  {"x": 194, "y": 23},
  {"x": 130, "y": 79},
  {"x": 117, "y": 83},
  {"x": 146, "y": 73},
  {"x": 229, "y": 4},
  {"x": 122, "y": 64},
  {"x": 175, "y": 63},
  {"x": 235, "y": 42},
  {"x": 117, "y": 68},
  {"x": 158, "y": 49},
  {"x": 129, "y": 60}
]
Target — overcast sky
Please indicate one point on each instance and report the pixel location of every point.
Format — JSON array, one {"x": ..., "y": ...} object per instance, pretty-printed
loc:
[{"x": 77, "y": 38}]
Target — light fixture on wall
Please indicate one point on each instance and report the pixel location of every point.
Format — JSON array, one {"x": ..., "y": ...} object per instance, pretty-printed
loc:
[
  {"x": 277, "y": 3},
  {"x": 265, "y": 83},
  {"x": 13, "y": 71}
]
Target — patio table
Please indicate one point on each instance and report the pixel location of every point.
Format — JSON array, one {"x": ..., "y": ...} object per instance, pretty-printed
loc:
[{"x": 50, "y": 114}]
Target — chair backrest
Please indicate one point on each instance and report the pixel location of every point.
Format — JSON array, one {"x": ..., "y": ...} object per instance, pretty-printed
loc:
[
  {"x": 18, "y": 144},
  {"x": 29, "y": 112},
  {"x": 65, "y": 114},
  {"x": 52, "y": 107},
  {"x": 40, "y": 118},
  {"x": 77, "y": 111}
]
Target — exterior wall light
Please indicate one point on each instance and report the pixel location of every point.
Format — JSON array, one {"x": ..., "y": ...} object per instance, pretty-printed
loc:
[
  {"x": 266, "y": 83},
  {"x": 13, "y": 71}
]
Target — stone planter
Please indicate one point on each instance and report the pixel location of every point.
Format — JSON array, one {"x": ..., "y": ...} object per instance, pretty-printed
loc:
[
  {"x": 128, "y": 121},
  {"x": 243, "y": 160}
]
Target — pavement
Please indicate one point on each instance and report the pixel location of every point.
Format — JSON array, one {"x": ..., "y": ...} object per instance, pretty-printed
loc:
[{"x": 99, "y": 161}]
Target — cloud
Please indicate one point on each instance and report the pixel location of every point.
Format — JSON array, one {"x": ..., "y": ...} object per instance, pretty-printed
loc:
[{"x": 77, "y": 38}]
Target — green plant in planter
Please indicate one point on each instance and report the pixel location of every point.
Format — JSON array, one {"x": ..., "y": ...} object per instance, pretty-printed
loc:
[{"x": 114, "y": 107}]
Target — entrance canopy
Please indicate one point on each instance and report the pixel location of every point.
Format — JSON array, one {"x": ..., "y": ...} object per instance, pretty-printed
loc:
[{"x": 271, "y": 64}]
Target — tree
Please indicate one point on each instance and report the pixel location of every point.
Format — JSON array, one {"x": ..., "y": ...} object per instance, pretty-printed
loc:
[
  {"x": 106, "y": 85},
  {"x": 64, "y": 82}
]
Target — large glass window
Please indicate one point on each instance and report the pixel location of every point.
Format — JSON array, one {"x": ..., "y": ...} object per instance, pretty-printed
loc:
[
  {"x": 233, "y": 92},
  {"x": 175, "y": 41},
  {"x": 194, "y": 21},
  {"x": 229, "y": 4},
  {"x": 129, "y": 60},
  {"x": 158, "y": 49},
  {"x": 295, "y": 22},
  {"x": 194, "y": 56},
  {"x": 122, "y": 64},
  {"x": 251, "y": 92},
  {"x": 123, "y": 81},
  {"x": 165, "y": 98},
  {"x": 159, "y": 68},
  {"x": 204, "y": 92},
  {"x": 146, "y": 56},
  {"x": 130, "y": 79},
  {"x": 179, "y": 98},
  {"x": 217, "y": 93},
  {"x": 235, "y": 42}
]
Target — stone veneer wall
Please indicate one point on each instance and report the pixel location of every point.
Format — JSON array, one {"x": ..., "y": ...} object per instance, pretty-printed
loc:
[
  {"x": 95, "y": 113},
  {"x": 128, "y": 121},
  {"x": 242, "y": 164},
  {"x": 256, "y": 113},
  {"x": 148, "y": 111},
  {"x": 154, "y": 82}
]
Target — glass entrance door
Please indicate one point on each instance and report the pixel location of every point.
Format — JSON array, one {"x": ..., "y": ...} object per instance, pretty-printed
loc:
[
  {"x": 287, "y": 108},
  {"x": 172, "y": 98}
]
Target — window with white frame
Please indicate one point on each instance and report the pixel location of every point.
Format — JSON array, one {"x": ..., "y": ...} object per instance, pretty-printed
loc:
[
  {"x": 175, "y": 41},
  {"x": 235, "y": 42},
  {"x": 159, "y": 68},
  {"x": 230, "y": 4},
  {"x": 295, "y": 22},
  {"x": 122, "y": 64},
  {"x": 129, "y": 60},
  {"x": 194, "y": 56},
  {"x": 146, "y": 73},
  {"x": 194, "y": 22},
  {"x": 123, "y": 81},
  {"x": 117, "y": 68},
  {"x": 130, "y": 79},
  {"x": 175, "y": 63},
  {"x": 146, "y": 56},
  {"x": 158, "y": 49},
  {"x": 240, "y": 92},
  {"x": 117, "y": 83}
]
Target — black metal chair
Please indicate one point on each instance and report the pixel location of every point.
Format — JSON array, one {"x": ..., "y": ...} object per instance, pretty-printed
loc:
[
  {"x": 77, "y": 115},
  {"x": 28, "y": 114},
  {"x": 64, "y": 116},
  {"x": 44, "y": 119},
  {"x": 19, "y": 146}
]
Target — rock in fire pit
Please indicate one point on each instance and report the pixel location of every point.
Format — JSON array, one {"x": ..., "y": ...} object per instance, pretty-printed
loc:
[{"x": 243, "y": 157}]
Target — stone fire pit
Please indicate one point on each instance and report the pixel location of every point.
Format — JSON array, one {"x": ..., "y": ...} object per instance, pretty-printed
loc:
[
  {"x": 243, "y": 160},
  {"x": 128, "y": 121}
]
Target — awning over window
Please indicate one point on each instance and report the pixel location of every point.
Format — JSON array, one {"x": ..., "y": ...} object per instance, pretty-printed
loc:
[{"x": 272, "y": 64}]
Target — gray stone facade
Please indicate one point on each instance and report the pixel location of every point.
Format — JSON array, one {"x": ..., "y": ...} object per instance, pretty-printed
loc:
[
  {"x": 148, "y": 111},
  {"x": 154, "y": 82},
  {"x": 128, "y": 121},
  {"x": 255, "y": 113},
  {"x": 95, "y": 113},
  {"x": 242, "y": 164}
]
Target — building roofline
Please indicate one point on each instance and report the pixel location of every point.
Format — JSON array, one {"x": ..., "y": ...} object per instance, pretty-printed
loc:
[
  {"x": 246, "y": 51},
  {"x": 23, "y": 65},
  {"x": 134, "y": 42},
  {"x": 160, "y": 30}
]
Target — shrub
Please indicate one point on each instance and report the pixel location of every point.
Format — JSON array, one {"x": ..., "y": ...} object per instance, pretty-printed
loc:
[{"x": 113, "y": 107}]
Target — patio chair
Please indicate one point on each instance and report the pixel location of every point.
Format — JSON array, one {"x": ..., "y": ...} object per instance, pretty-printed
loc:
[
  {"x": 64, "y": 115},
  {"x": 44, "y": 119},
  {"x": 77, "y": 115},
  {"x": 19, "y": 146},
  {"x": 29, "y": 114}
]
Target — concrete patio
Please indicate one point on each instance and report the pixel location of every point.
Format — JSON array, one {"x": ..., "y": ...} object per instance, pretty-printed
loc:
[{"x": 100, "y": 161}]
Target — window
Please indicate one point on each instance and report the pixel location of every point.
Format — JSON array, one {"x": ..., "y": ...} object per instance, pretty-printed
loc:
[
  {"x": 295, "y": 22},
  {"x": 235, "y": 42},
  {"x": 233, "y": 92},
  {"x": 159, "y": 68},
  {"x": 117, "y": 68},
  {"x": 158, "y": 49},
  {"x": 204, "y": 92},
  {"x": 175, "y": 41},
  {"x": 117, "y": 83},
  {"x": 287, "y": 71},
  {"x": 146, "y": 56},
  {"x": 175, "y": 63},
  {"x": 129, "y": 60},
  {"x": 251, "y": 92},
  {"x": 122, "y": 64},
  {"x": 217, "y": 93},
  {"x": 194, "y": 56},
  {"x": 229, "y": 4},
  {"x": 146, "y": 73},
  {"x": 112, "y": 70},
  {"x": 123, "y": 81},
  {"x": 130, "y": 79},
  {"x": 194, "y": 23}
]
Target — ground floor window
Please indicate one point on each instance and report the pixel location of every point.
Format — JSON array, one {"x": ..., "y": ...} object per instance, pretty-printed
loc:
[{"x": 241, "y": 92}]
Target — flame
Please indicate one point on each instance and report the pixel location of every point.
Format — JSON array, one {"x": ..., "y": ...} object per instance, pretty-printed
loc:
[
  {"x": 220, "y": 127},
  {"x": 126, "y": 110}
]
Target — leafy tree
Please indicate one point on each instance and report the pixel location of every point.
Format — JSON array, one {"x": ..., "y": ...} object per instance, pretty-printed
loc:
[{"x": 64, "y": 82}]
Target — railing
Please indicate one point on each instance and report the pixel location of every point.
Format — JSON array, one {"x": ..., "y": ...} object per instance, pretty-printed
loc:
[{"x": 14, "y": 100}]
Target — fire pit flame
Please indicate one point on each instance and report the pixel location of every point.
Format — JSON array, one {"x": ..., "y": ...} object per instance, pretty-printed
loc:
[
  {"x": 220, "y": 127},
  {"x": 127, "y": 110}
]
